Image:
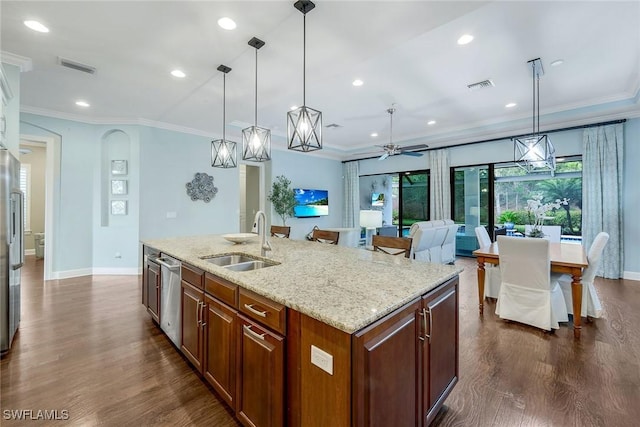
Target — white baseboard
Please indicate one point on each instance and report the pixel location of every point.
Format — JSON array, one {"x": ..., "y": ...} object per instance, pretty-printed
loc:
[
  {"x": 105, "y": 271},
  {"x": 631, "y": 275},
  {"x": 29, "y": 251},
  {"x": 67, "y": 274}
]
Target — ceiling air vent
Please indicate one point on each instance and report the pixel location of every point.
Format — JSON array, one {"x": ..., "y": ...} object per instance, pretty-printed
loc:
[
  {"x": 76, "y": 65},
  {"x": 481, "y": 85},
  {"x": 333, "y": 125}
]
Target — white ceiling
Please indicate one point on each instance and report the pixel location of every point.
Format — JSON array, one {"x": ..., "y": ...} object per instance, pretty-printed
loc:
[{"x": 404, "y": 51}]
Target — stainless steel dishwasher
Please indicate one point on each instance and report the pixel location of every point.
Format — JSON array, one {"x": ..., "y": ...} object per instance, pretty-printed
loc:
[{"x": 170, "y": 298}]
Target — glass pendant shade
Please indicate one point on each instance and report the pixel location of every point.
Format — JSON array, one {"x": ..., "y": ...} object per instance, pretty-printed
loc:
[
  {"x": 304, "y": 124},
  {"x": 223, "y": 151},
  {"x": 257, "y": 144},
  {"x": 535, "y": 152},
  {"x": 255, "y": 139},
  {"x": 304, "y": 129}
]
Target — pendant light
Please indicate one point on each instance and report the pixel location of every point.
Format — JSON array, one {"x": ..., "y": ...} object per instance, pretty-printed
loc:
[
  {"x": 535, "y": 152},
  {"x": 304, "y": 124},
  {"x": 223, "y": 152},
  {"x": 256, "y": 140}
]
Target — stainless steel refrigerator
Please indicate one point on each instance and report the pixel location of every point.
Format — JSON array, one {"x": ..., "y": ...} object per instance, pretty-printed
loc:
[{"x": 11, "y": 247}]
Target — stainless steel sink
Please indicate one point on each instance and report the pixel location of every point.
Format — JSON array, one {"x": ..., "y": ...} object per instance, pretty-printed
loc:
[
  {"x": 238, "y": 262},
  {"x": 224, "y": 260},
  {"x": 249, "y": 265}
]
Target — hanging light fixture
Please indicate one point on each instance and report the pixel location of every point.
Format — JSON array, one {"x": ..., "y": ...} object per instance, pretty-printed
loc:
[
  {"x": 256, "y": 140},
  {"x": 304, "y": 124},
  {"x": 223, "y": 152},
  {"x": 535, "y": 151}
]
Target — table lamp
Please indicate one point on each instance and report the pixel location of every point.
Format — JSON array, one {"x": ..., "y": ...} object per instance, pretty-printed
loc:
[{"x": 370, "y": 220}]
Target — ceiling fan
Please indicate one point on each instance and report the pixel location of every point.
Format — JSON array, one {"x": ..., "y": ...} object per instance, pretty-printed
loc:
[{"x": 391, "y": 149}]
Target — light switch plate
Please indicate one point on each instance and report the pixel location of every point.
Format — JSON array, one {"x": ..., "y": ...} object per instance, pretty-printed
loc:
[
  {"x": 171, "y": 214},
  {"x": 322, "y": 359}
]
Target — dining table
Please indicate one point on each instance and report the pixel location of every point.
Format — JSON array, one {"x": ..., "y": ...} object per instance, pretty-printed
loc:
[{"x": 565, "y": 258}]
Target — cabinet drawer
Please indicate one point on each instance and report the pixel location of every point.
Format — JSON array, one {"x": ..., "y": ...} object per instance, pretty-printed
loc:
[
  {"x": 263, "y": 310},
  {"x": 225, "y": 291},
  {"x": 193, "y": 275}
]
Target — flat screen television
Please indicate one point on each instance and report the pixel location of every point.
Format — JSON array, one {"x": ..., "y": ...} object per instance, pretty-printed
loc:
[
  {"x": 377, "y": 199},
  {"x": 310, "y": 203}
]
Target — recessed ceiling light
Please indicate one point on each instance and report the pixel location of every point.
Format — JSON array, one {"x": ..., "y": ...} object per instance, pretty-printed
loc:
[
  {"x": 557, "y": 62},
  {"x": 178, "y": 73},
  {"x": 81, "y": 103},
  {"x": 357, "y": 82},
  {"x": 374, "y": 134},
  {"x": 293, "y": 107},
  {"x": 467, "y": 38},
  {"x": 36, "y": 26},
  {"x": 431, "y": 122},
  {"x": 227, "y": 23},
  {"x": 511, "y": 105}
]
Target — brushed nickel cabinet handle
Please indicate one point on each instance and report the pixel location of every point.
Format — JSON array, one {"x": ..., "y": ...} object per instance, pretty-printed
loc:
[
  {"x": 198, "y": 321},
  {"x": 254, "y": 311},
  {"x": 202, "y": 322},
  {"x": 256, "y": 335},
  {"x": 425, "y": 324}
]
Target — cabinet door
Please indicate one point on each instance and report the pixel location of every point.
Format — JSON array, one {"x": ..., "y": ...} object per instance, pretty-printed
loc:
[
  {"x": 260, "y": 376},
  {"x": 220, "y": 334},
  {"x": 440, "y": 355},
  {"x": 386, "y": 372},
  {"x": 192, "y": 302},
  {"x": 153, "y": 290}
]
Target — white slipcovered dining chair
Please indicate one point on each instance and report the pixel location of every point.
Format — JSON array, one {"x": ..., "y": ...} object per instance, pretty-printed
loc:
[
  {"x": 591, "y": 305},
  {"x": 529, "y": 293},
  {"x": 492, "y": 276}
]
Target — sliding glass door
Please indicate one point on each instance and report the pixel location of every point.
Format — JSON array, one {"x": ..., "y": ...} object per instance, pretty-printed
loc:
[{"x": 412, "y": 190}]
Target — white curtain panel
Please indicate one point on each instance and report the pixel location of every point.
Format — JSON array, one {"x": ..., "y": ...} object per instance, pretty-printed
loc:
[
  {"x": 602, "y": 172},
  {"x": 440, "y": 194},
  {"x": 351, "y": 185}
]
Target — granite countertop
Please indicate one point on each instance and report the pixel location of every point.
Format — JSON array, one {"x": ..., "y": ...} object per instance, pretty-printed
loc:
[{"x": 347, "y": 288}]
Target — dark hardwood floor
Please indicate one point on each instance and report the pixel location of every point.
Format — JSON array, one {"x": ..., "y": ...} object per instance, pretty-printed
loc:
[{"x": 87, "y": 346}]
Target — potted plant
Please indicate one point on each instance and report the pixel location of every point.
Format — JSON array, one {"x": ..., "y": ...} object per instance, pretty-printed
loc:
[
  {"x": 538, "y": 212},
  {"x": 282, "y": 197},
  {"x": 508, "y": 218}
]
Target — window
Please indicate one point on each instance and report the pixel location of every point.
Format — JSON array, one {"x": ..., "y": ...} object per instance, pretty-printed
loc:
[
  {"x": 25, "y": 187},
  {"x": 513, "y": 187}
]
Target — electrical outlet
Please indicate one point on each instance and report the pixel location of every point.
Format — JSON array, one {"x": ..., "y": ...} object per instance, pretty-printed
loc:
[
  {"x": 172, "y": 214},
  {"x": 118, "y": 255},
  {"x": 322, "y": 359}
]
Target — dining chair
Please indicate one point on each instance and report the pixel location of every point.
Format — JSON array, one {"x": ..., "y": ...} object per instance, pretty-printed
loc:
[
  {"x": 492, "y": 278},
  {"x": 392, "y": 245},
  {"x": 280, "y": 231},
  {"x": 325, "y": 236},
  {"x": 591, "y": 306},
  {"x": 529, "y": 293}
]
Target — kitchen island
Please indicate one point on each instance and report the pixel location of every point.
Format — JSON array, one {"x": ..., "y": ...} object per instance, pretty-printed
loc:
[{"x": 327, "y": 336}]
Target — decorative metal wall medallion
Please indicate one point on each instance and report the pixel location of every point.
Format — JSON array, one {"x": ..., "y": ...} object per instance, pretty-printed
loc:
[{"x": 202, "y": 188}]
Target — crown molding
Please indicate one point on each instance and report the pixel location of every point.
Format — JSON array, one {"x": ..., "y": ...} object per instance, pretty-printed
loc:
[{"x": 25, "y": 64}]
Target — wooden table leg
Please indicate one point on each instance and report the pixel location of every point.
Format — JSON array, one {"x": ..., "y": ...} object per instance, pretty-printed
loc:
[
  {"x": 576, "y": 295},
  {"x": 481, "y": 284}
]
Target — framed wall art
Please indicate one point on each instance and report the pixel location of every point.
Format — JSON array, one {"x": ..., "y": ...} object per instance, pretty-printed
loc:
[
  {"x": 118, "y": 187},
  {"x": 118, "y": 207},
  {"x": 118, "y": 167}
]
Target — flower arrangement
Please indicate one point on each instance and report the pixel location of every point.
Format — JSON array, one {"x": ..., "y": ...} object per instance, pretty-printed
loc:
[{"x": 538, "y": 213}]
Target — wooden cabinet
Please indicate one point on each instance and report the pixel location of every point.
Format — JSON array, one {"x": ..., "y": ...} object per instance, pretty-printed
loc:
[
  {"x": 220, "y": 330},
  {"x": 386, "y": 370},
  {"x": 406, "y": 364},
  {"x": 152, "y": 285},
  {"x": 192, "y": 304},
  {"x": 439, "y": 350},
  {"x": 260, "y": 375}
]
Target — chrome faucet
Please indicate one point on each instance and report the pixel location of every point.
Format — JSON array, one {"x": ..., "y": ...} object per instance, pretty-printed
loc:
[{"x": 259, "y": 219}]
